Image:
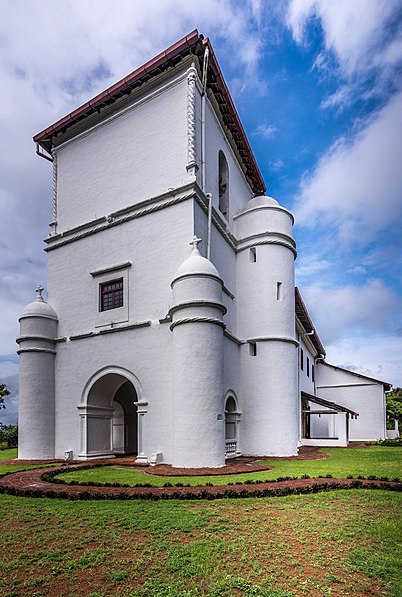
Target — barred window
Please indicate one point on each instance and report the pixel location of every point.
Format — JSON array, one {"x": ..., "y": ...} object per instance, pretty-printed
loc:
[{"x": 111, "y": 295}]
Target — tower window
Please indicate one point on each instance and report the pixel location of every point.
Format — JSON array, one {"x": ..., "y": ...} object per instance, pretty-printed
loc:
[
  {"x": 279, "y": 291},
  {"x": 223, "y": 184},
  {"x": 301, "y": 359},
  {"x": 312, "y": 373},
  {"x": 252, "y": 349},
  {"x": 253, "y": 255},
  {"x": 111, "y": 295},
  {"x": 308, "y": 367}
]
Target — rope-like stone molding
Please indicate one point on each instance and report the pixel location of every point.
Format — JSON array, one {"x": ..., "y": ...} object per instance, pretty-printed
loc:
[
  {"x": 45, "y": 350},
  {"x": 255, "y": 237},
  {"x": 198, "y": 303},
  {"x": 191, "y": 119},
  {"x": 54, "y": 191},
  {"x": 281, "y": 243},
  {"x": 118, "y": 221},
  {"x": 212, "y": 320}
]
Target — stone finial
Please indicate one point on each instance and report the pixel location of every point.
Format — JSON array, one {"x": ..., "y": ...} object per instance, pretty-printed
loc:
[
  {"x": 195, "y": 242},
  {"x": 39, "y": 291}
]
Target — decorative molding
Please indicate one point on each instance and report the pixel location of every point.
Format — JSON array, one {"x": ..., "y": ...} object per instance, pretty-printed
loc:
[
  {"x": 28, "y": 337},
  {"x": 45, "y": 350},
  {"x": 104, "y": 223},
  {"x": 233, "y": 338},
  {"x": 119, "y": 328},
  {"x": 273, "y": 339},
  {"x": 112, "y": 268},
  {"x": 212, "y": 320},
  {"x": 198, "y": 303},
  {"x": 191, "y": 128},
  {"x": 274, "y": 207},
  {"x": 281, "y": 243},
  {"x": 255, "y": 237},
  {"x": 53, "y": 223}
]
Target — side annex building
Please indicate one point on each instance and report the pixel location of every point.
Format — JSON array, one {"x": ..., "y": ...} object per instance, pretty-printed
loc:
[{"x": 172, "y": 328}]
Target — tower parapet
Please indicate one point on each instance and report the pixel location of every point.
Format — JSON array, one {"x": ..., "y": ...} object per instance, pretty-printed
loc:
[
  {"x": 38, "y": 330},
  {"x": 197, "y": 327}
]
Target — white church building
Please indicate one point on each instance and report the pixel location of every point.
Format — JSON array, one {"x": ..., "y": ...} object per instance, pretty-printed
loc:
[{"x": 172, "y": 328}]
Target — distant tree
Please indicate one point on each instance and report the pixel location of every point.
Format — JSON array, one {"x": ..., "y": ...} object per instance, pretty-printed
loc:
[
  {"x": 3, "y": 393},
  {"x": 394, "y": 404}
]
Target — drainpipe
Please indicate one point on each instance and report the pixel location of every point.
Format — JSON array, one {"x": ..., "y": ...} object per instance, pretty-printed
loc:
[
  {"x": 209, "y": 197},
  {"x": 41, "y": 154}
]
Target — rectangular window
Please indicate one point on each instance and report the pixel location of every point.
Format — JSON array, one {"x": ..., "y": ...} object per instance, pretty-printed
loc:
[
  {"x": 301, "y": 359},
  {"x": 111, "y": 295},
  {"x": 253, "y": 255},
  {"x": 279, "y": 291},
  {"x": 253, "y": 349},
  {"x": 312, "y": 373},
  {"x": 308, "y": 367}
]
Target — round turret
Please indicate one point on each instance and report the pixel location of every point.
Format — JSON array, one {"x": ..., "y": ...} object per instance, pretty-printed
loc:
[
  {"x": 197, "y": 327},
  {"x": 266, "y": 320},
  {"x": 38, "y": 330}
]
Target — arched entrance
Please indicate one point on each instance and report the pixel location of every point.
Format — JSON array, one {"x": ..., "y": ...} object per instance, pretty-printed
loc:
[
  {"x": 124, "y": 421},
  {"x": 108, "y": 415},
  {"x": 232, "y": 424}
]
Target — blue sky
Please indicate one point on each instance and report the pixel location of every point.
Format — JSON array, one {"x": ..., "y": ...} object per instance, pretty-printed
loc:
[{"x": 318, "y": 86}]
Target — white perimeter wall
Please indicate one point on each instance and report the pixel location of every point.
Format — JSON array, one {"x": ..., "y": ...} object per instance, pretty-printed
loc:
[{"x": 358, "y": 393}]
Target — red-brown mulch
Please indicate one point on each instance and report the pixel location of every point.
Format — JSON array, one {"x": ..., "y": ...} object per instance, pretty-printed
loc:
[{"x": 32, "y": 480}]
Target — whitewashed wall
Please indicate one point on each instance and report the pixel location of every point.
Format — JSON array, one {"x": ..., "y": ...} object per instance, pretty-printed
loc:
[
  {"x": 139, "y": 154},
  {"x": 360, "y": 394}
]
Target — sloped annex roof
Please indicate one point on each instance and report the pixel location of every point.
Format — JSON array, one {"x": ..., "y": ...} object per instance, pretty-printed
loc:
[
  {"x": 305, "y": 320},
  {"x": 194, "y": 44},
  {"x": 329, "y": 404},
  {"x": 387, "y": 386}
]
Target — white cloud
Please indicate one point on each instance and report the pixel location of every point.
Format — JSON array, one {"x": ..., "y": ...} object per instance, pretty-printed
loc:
[
  {"x": 265, "y": 130},
  {"x": 356, "y": 185},
  {"x": 342, "y": 312},
  {"x": 380, "y": 357},
  {"x": 276, "y": 165},
  {"x": 353, "y": 30}
]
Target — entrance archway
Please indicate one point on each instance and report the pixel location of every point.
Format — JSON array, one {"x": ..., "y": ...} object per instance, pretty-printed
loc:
[
  {"x": 124, "y": 421},
  {"x": 108, "y": 414}
]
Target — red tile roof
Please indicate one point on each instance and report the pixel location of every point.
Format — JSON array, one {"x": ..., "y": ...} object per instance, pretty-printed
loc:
[
  {"x": 305, "y": 320},
  {"x": 194, "y": 44}
]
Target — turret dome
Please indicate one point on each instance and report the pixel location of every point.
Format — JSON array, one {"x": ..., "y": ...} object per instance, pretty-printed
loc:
[
  {"x": 260, "y": 202},
  {"x": 39, "y": 308},
  {"x": 196, "y": 264}
]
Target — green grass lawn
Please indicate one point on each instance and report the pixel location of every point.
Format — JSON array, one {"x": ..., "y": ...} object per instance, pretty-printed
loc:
[
  {"x": 13, "y": 468},
  {"x": 343, "y": 543},
  {"x": 341, "y": 462}
]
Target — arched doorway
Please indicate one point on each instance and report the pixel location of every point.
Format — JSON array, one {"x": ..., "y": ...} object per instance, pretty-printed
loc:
[
  {"x": 232, "y": 424},
  {"x": 124, "y": 421},
  {"x": 108, "y": 415}
]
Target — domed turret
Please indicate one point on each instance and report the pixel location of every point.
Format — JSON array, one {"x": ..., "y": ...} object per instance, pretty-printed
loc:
[
  {"x": 38, "y": 330},
  {"x": 266, "y": 319},
  {"x": 197, "y": 329}
]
